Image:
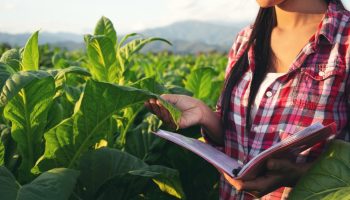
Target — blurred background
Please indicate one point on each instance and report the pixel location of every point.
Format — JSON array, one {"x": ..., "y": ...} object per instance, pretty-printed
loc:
[{"x": 191, "y": 25}]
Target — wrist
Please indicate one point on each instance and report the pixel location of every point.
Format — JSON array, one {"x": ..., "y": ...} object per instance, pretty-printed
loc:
[{"x": 207, "y": 115}]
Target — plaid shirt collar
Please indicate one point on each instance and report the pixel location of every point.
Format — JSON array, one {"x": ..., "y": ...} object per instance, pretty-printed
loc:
[{"x": 329, "y": 24}]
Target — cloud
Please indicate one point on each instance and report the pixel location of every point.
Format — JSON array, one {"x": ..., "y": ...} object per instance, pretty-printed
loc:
[
  {"x": 181, "y": 4},
  {"x": 221, "y": 10},
  {"x": 8, "y": 6}
]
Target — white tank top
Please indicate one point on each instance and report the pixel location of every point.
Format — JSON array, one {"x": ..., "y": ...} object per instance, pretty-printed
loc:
[{"x": 270, "y": 77}]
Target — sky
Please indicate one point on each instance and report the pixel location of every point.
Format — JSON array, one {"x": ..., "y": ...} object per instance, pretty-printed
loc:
[{"x": 80, "y": 16}]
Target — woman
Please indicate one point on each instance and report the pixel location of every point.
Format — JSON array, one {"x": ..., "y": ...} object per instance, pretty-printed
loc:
[{"x": 287, "y": 71}]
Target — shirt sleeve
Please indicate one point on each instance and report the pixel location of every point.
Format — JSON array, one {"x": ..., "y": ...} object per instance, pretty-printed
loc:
[{"x": 232, "y": 57}]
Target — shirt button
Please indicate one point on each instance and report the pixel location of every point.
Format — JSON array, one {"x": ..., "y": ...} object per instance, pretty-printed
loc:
[
  {"x": 256, "y": 128},
  {"x": 269, "y": 94},
  {"x": 321, "y": 73}
]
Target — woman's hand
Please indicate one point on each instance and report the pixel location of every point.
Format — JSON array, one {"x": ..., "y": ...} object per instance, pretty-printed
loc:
[
  {"x": 192, "y": 110},
  {"x": 281, "y": 173}
]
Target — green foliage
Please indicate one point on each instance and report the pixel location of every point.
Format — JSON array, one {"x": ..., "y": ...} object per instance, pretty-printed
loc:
[
  {"x": 329, "y": 178},
  {"x": 55, "y": 184},
  {"x": 12, "y": 58},
  {"x": 105, "y": 27},
  {"x": 30, "y": 59},
  {"x": 2, "y": 153},
  {"x": 27, "y": 110},
  {"x": 5, "y": 72},
  {"x": 84, "y": 111},
  {"x": 101, "y": 167},
  {"x": 201, "y": 82},
  {"x": 90, "y": 123},
  {"x": 102, "y": 55}
]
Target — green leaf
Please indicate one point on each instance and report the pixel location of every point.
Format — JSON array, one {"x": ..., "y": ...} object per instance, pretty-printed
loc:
[
  {"x": 329, "y": 178},
  {"x": 199, "y": 81},
  {"x": 216, "y": 87},
  {"x": 30, "y": 60},
  {"x": 56, "y": 184},
  {"x": 12, "y": 58},
  {"x": 8, "y": 185},
  {"x": 168, "y": 181},
  {"x": 174, "y": 89},
  {"x": 55, "y": 115},
  {"x": 2, "y": 153},
  {"x": 102, "y": 58},
  {"x": 9, "y": 155},
  {"x": 126, "y": 51},
  {"x": 105, "y": 27},
  {"x": 100, "y": 166},
  {"x": 60, "y": 73},
  {"x": 150, "y": 84},
  {"x": 17, "y": 82},
  {"x": 105, "y": 168},
  {"x": 59, "y": 60},
  {"x": 27, "y": 111},
  {"x": 61, "y": 77},
  {"x": 342, "y": 193},
  {"x": 5, "y": 72},
  {"x": 141, "y": 141},
  {"x": 125, "y": 38},
  {"x": 66, "y": 142}
]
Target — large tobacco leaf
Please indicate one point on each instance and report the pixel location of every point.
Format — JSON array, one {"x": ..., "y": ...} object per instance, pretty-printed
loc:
[
  {"x": 30, "y": 59},
  {"x": 18, "y": 81},
  {"x": 199, "y": 82},
  {"x": 151, "y": 85},
  {"x": 8, "y": 149},
  {"x": 102, "y": 58},
  {"x": 130, "y": 113},
  {"x": 28, "y": 97},
  {"x": 112, "y": 173},
  {"x": 12, "y": 58},
  {"x": 126, "y": 51},
  {"x": 91, "y": 122},
  {"x": 61, "y": 75},
  {"x": 329, "y": 178},
  {"x": 5, "y": 72},
  {"x": 56, "y": 184},
  {"x": 142, "y": 143},
  {"x": 6, "y": 144},
  {"x": 105, "y": 27}
]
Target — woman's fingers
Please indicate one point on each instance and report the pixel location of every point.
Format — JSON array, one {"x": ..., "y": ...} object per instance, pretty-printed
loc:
[
  {"x": 154, "y": 106},
  {"x": 158, "y": 109},
  {"x": 166, "y": 117},
  {"x": 238, "y": 184},
  {"x": 164, "y": 113},
  {"x": 257, "y": 187}
]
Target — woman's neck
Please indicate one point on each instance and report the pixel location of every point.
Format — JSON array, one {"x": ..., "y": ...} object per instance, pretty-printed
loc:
[{"x": 293, "y": 14}]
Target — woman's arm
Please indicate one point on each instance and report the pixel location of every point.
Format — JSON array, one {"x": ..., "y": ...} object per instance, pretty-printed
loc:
[{"x": 212, "y": 126}]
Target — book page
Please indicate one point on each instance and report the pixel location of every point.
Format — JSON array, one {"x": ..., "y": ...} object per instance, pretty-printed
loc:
[
  {"x": 297, "y": 136},
  {"x": 291, "y": 146},
  {"x": 209, "y": 153}
]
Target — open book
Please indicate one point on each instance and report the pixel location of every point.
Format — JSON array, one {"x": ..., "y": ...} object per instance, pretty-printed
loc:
[{"x": 288, "y": 148}]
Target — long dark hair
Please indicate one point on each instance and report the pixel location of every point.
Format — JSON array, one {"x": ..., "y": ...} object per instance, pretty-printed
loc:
[{"x": 264, "y": 23}]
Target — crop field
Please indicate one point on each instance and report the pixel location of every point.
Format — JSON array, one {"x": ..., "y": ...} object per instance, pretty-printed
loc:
[{"x": 73, "y": 124}]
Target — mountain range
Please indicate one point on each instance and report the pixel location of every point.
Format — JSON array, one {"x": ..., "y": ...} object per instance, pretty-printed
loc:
[{"x": 186, "y": 37}]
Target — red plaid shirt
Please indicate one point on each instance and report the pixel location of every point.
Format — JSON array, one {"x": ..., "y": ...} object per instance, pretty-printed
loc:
[{"x": 314, "y": 89}]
